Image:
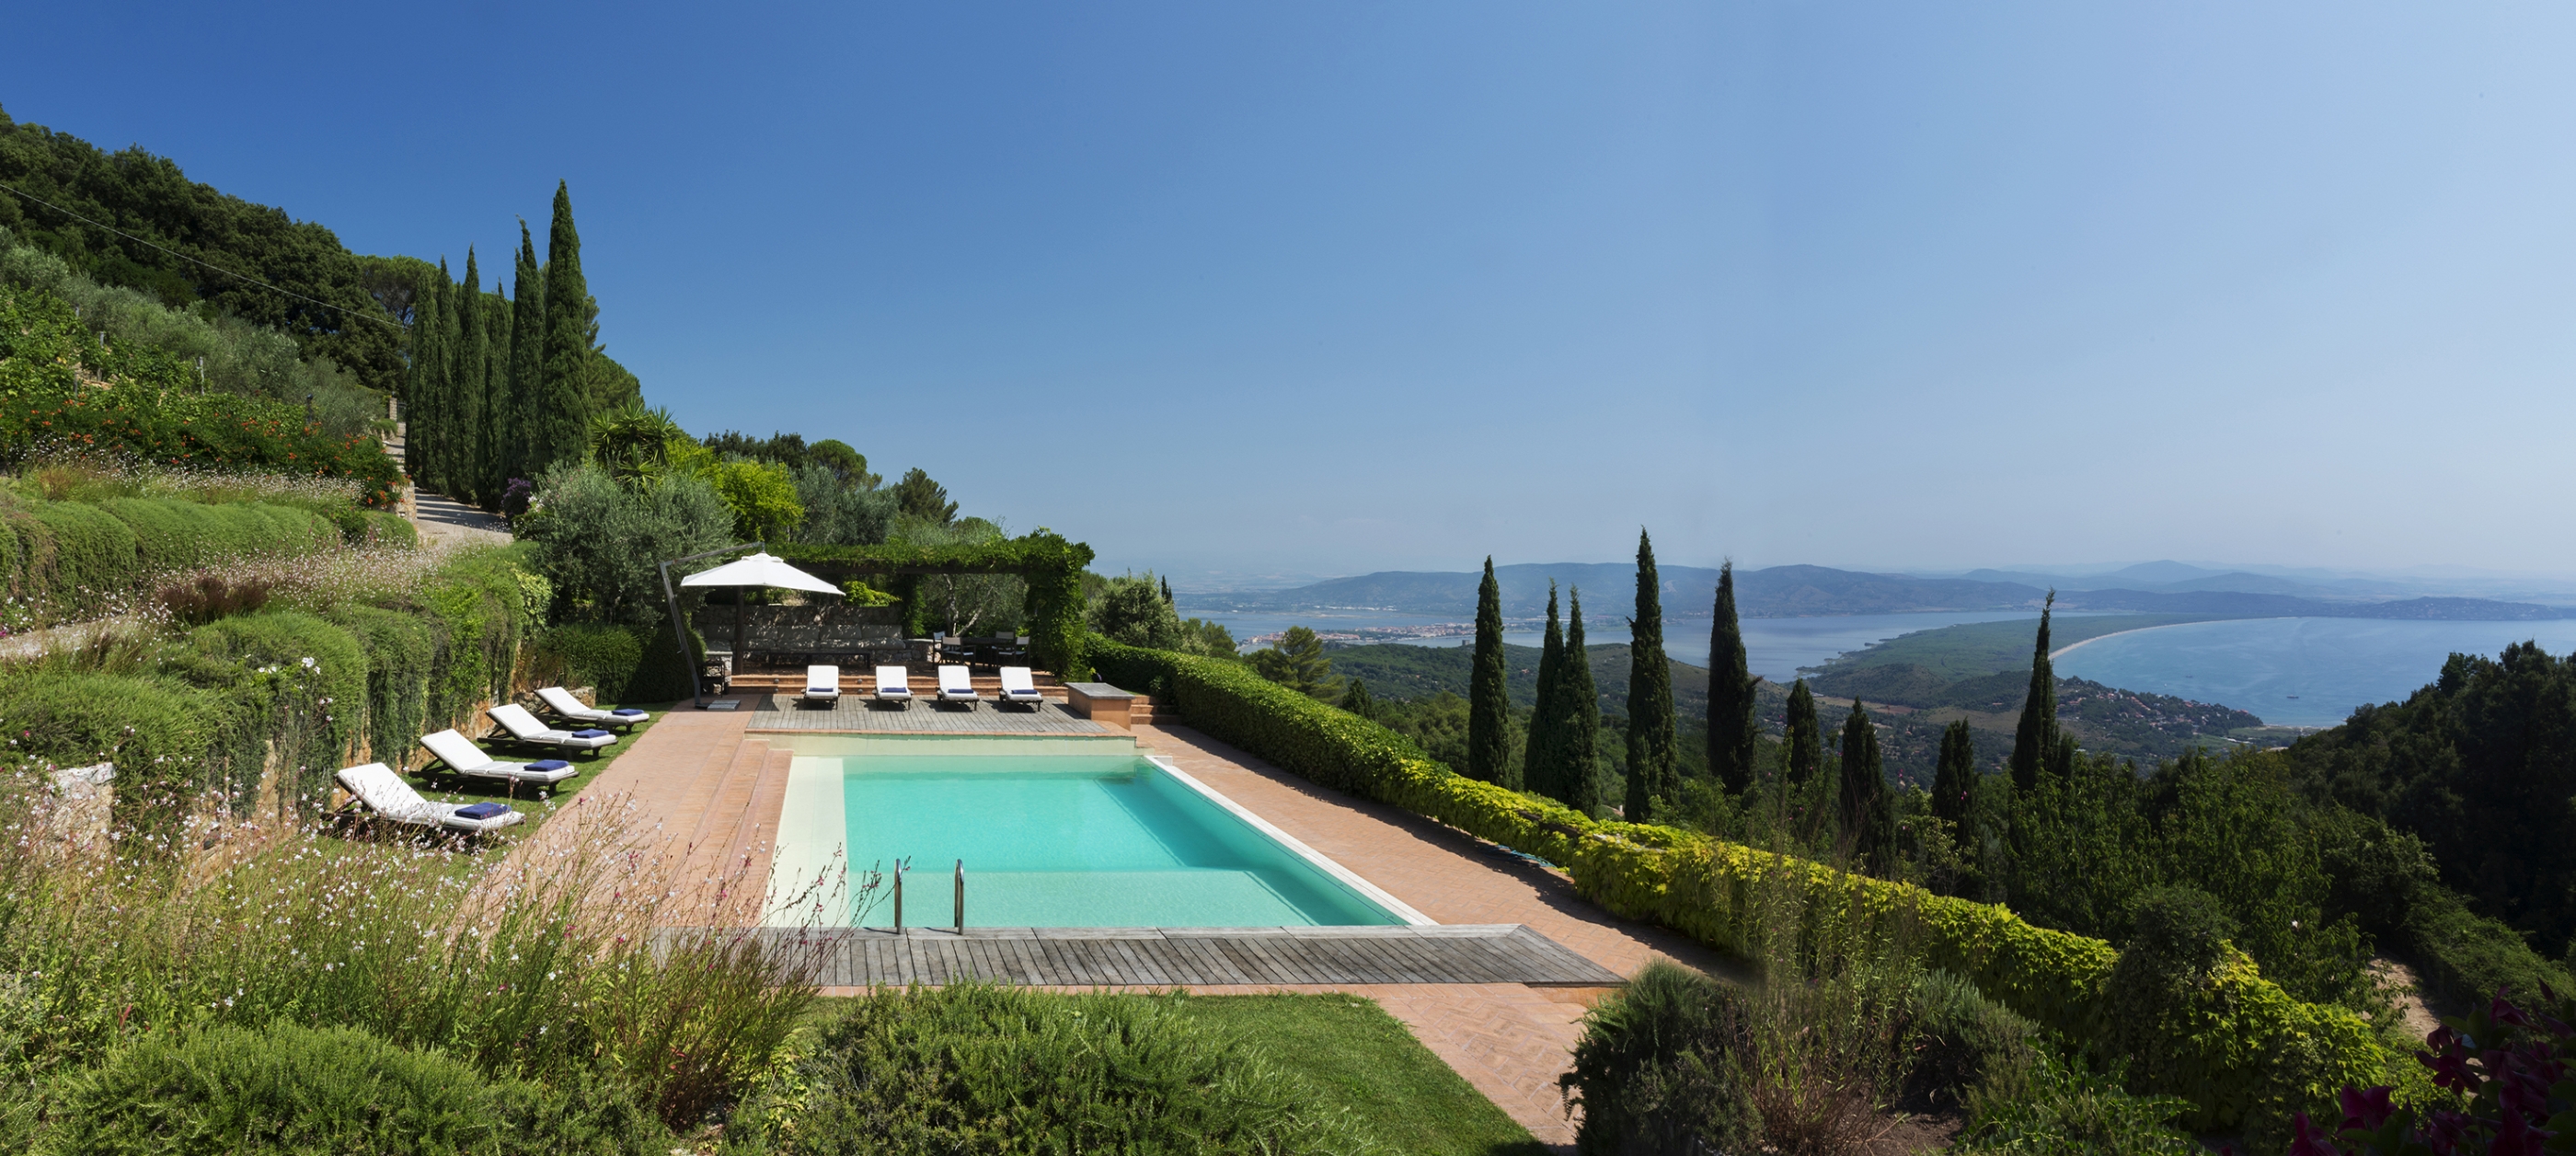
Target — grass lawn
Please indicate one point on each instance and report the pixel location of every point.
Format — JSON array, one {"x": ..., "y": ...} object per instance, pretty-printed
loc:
[
  {"x": 539, "y": 803},
  {"x": 1363, "y": 1059},
  {"x": 1357, "y": 1057}
]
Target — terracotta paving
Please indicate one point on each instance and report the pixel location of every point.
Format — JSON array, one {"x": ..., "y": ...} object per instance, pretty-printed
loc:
[{"x": 703, "y": 779}]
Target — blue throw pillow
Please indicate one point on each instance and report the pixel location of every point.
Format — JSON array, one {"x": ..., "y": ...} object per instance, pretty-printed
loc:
[
  {"x": 483, "y": 810},
  {"x": 628, "y": 711},
  {"x": 548, "y": 765},
  {"x": 590, "y": 734}
]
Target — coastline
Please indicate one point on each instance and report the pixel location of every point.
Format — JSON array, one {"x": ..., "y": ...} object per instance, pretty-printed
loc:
[{"x": 2072, "y": 647}]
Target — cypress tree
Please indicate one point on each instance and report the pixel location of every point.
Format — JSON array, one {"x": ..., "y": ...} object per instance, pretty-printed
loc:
[
  {"x": 1652, "y": 766},
  {"x": 431, "y": 360},
  {"x": 1538, "y": 753},
  {"x": 2035, "y": 740},
  {"x": 527, "y": 357},
  {"x": 498, "y": 423},
  {"x": 1357, "y": 701},
  {"x": 1954, "y": 781},
  {"x": 1867, "y": 819},
  {"x": 1803, "y": 738},
  {"x": 559, "y": 425},
  {"x": 1579, "y": 743},
  {"x": 1167, "y": 592},
  {"x": 1489, "y": 702},
  {"x": 1732, "y": 725},
  {"x": 467, "y": 433}
]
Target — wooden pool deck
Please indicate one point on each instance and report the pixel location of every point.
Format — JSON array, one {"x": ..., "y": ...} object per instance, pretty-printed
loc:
[
  {"x": 1193, "y": 957},
  {"x": 860, "y": 716}
]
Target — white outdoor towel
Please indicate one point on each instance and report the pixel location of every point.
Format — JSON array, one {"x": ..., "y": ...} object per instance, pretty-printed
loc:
[
  {"x": 525, "y": 728},
  {"x": 1019, "y": 685},
  {"x": 565, "y": 706},
  {"x": 463, "y": 757},
  {"x": 955, "y": 685},
  {"x": 384, "y": 793},
  {"x": 822, "y": 682}
]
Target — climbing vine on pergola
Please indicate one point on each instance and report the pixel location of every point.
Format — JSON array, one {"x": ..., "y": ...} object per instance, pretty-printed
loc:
[{"x": 1050, "y": 565}]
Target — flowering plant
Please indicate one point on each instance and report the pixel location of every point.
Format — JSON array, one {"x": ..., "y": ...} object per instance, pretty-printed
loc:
[{"x": 2512, "y": 1071}]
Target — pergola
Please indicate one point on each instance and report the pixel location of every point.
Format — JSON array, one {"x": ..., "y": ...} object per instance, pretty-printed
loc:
[{"x": 1050, "y": 565}]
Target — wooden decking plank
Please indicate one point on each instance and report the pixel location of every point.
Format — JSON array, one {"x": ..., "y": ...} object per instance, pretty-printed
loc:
[{"x": 1190, "y": 957}]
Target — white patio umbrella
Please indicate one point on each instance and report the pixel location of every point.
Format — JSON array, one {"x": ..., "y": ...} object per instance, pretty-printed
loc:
[{"x": 762, "y": 569}]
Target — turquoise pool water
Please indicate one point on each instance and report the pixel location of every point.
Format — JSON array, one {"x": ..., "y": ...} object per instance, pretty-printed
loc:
[{"x": 1070, "y": 841}]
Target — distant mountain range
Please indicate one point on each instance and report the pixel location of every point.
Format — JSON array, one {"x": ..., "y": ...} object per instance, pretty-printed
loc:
[{"x": 1807, "y": 591}]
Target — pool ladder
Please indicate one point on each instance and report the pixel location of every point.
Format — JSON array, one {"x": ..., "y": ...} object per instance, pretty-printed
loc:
[{"x": 899, "y": 869}]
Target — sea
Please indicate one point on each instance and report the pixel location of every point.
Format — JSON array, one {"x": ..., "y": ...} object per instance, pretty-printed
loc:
[
  {"x": 2303, "y": 672},
  {"x": 1773, "y": 647}
]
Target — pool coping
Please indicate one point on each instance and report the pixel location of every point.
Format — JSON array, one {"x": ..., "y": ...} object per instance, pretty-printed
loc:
[{"x": 1344, "y": 875}]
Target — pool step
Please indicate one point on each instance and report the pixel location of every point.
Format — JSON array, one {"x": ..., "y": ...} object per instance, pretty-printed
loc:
[{"x": 730, "y": 844}]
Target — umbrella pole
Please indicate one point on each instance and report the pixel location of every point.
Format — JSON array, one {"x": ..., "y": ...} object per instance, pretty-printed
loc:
[{"x": 680, "y": 629}]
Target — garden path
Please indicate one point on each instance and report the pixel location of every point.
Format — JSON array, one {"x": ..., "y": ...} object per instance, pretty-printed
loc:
[{"x": 442, "y": 519}]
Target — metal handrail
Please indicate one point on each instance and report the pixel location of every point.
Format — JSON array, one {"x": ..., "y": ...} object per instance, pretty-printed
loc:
[{"x": 961, "y": 897}]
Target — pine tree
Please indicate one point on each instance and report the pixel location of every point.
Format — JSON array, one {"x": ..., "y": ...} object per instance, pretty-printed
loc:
[
  {"x": 1868, "y": 819},
  {"x": 1732, "y": 724},
  {"x": 1804, "y": 739},
  {"x": 1489, "y": 701},
  {"x": 1954, "y": 782},
  {"x": 1579, "y": 743},
  {"x": 527, "y": 360},
  {"x": 2035, "y": 740},
  {"x": 1538, "y": 758},
  {"x": 1653, "y": 769},
  {"x": 467, "y": 433},
  {"x": 498, "y": 415},
  {"x": 1357, "y": 701},
  {"x": 559, "y": 426},
  {"x": 1298, "y": 663}
]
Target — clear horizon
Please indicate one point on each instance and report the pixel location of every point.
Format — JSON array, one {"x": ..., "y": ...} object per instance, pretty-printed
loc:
[{"x": 1339, "y": 288}]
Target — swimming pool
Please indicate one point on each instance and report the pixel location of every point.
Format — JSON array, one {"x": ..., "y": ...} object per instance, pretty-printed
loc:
[{"x": 1054, "y": 835}]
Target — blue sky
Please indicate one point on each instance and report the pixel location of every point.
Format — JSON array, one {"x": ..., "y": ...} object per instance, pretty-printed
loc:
[{"x": 1241, "y": 290}]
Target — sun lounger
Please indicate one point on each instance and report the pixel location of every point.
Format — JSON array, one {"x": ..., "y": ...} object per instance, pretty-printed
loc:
[
  {"x": 1019, "y": 686},
  {"x": 462, "y": 757},
  {"x": 569, "y": 709},
  {"x": 822, "y": 684},
  {"x": 383, "y": 792},
  {"x": 955, "y": 685},
  {"x": 527, "y": 731},
  {"x": 894, "y": 684}
]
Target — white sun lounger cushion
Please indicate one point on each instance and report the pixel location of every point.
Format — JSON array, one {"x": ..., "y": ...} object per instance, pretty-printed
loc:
[
  {"x": 894, "y": 682},
  {"x": 822, "y": 682},
  {"x": 955, "y": 685},
  {"x": 525, "y": 728},
  {"x": 561, "y": 701},
  {"x": 384, "y": 793},
  {"x": 463, "y": 757},
  {"x": 1019, "y": 685}
]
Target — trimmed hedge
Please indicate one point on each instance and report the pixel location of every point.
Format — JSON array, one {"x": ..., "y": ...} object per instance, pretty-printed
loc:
[
  {"x": 76, "y": 557},
  {"x": 2245, "y": 1054},
  {"x": 622, "y": 663},
  {"x": 238, "y": 708}
]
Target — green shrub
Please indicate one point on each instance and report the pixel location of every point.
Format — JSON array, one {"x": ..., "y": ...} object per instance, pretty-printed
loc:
[
  {"x": 77, "y": 556},
  {"x": 1660, "y": 1069},
  {"x": 175, "y": 535},
  {"x": 288, "y": 1089},
  {"x": 1964, "y": 1043},
  {"x": 623, "y": 663},
  {"x": 307, "y": 684},
  {"x": 400, "y": 650},
  {"x": 2255, "y": 1050},
  {"x": 974, "y": 1068},
  {"x": 2066, "y": 1109}
]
